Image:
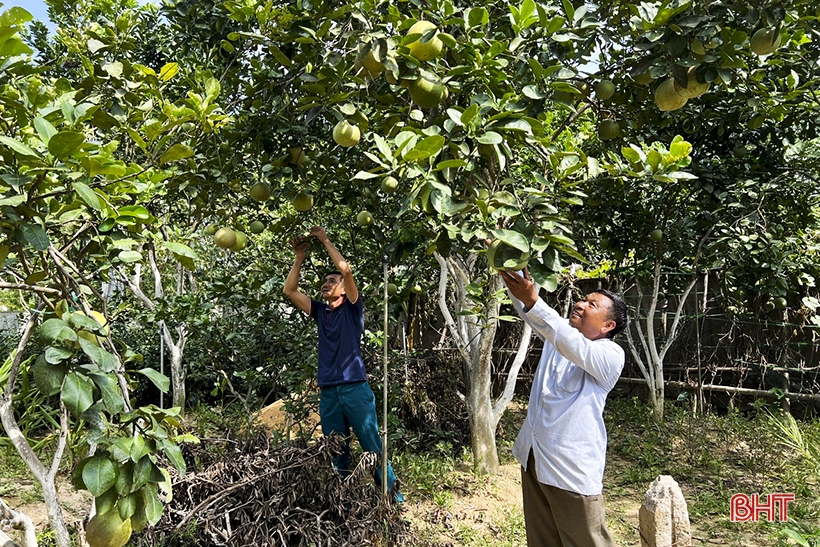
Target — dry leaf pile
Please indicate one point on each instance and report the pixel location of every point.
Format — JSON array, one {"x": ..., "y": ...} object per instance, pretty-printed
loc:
[{"x": 254, "y": 493}]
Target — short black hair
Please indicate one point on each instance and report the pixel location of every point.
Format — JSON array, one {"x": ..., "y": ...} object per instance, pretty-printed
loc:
[
  {"x": 617, "y": 312},
  {"x": 334, "y": 272}
]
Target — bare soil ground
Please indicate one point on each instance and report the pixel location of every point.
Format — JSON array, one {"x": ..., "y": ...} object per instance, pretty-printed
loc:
[{"x": 489, "y": 512}]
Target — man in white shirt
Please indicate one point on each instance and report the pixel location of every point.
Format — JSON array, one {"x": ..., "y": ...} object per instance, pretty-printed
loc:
[{"x": 562, "y": 444}]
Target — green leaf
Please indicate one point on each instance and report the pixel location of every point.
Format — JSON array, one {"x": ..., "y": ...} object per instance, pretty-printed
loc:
[
  {"x": 48, "y": 378},
  {"x": 681, "y": 175},
  {"x": 13, "y": 201},
  {"x": 106, "y": 501},
  {"x": 180, "y": 249},
  {"x": 44, "y": 129},
  {"x": 168, "y": 71},
  {"x": 14, "y": 46},
  {"x": 449, "y": 164},
  {"x": 94, "y": 45},
  {"x": 279, "y": 55},
  {"x": 654, "y": 159},
  {"x": 56, "y": 330},
  {"x": 34, "y": 235},
  {"x": 513, "y": 238},
  {"x": 514, "y": 125},
  {"x": 153, "y": 507},
  {"x": 65, "y": 143},
  {"x": 160, "y": 380},
  {"x": 469, "y": 113},
  {"x": 88, "y": 195},
  {"x": 364, "y": 175},
  {"x": 113, "y": 69},
  {"x": 110, "y": 391},
  {"x": 212, "y": 88},
  {"x": 78, "y": 395},
  {"x": 680, "y": 148},
  {"x": 18, "y": 146},
  {"x": 136, "y": 211},
  {"x": 632, "y": 155},
  {"x": 562, "y": 239},
  {"x": 16, "y": 16},
  {"x": 174, "y": 454},
  {"x": 490, "y": 137},
  {"x": 56, "y": 355},
  {"x": 127, "y": 506},
  {"x": 129, "y": 256},
  {"x": 142, "y": 472},
  {"x": 426, "y": 148},
  {"x": 177, "y": 152},
  {"x": 99, "y": 474}
]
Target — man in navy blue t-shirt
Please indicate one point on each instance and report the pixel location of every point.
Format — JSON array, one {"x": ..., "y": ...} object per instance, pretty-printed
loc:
[{"x": 345, "y": 399}]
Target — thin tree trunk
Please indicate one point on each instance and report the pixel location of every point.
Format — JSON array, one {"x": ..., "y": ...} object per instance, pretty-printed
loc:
[
  {"x": 474, "y": 340},
  {"x": 46, "y": 477},
  {"x": 17, "y": 520}
]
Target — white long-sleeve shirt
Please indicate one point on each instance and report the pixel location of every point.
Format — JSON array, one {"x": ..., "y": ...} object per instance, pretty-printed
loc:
[{"x": 564, "y": 425}]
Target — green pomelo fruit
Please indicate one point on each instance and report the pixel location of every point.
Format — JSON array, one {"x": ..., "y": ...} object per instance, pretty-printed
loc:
[
  {"x": 501, "y": 256},
  {"x": 108, "y": 530},
  {"x": 303, "y": 202},
  {"x": 364, "y": 218},
  {"x": 667, "y": 98},
  {"x": 693, "y": 87},
  {"x": 427, "y": 94},
  {"x": 225, "y": 238},
  {"x": 241, "y": 241},
  {"x": 345, "y": 134},
  {"x": 608, "y": 129},
  {"x": 260, "y": 191},
  {"x": 424, "y": 51},
  {"x": 389, "y": 184},
  {"x": 604, "y": 90},
  {"x": 765, "y": 41}
]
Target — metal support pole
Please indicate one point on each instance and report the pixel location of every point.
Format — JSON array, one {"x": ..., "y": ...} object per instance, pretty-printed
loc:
[
  {"x": 161, "y": 364},
  {"x": 385, "y": 260}
]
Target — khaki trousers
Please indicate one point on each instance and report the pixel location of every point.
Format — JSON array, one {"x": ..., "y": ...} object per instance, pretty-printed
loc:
[{"x": 558, "y": 518}]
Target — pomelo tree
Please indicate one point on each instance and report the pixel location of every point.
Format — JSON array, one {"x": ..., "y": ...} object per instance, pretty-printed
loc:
[
  {"x": 83, "y": 161},
  {"x": 750, "y": 176},
  {"x": 504, "y": 153}
]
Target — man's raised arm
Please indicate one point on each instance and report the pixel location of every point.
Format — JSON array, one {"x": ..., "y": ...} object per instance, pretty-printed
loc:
[
  {"x": 291, "y": 290},
  {"x": 339, "y": 261}
]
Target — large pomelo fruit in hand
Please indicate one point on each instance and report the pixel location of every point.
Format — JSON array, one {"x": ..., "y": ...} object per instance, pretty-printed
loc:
[{"x": 506, "y": 257}]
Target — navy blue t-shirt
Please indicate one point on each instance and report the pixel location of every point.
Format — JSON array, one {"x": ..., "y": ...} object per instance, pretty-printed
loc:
[{"x": 340, "y": 334}]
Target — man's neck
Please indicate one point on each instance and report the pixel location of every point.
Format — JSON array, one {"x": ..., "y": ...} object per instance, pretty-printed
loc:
[{"x": 333, "y": 304}]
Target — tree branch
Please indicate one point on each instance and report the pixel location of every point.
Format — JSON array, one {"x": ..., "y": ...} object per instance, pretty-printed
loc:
[
  {"x": 445, "y": 311},
  {"x": 24, "y": 287},
  {"x": 18, "y": 521}
]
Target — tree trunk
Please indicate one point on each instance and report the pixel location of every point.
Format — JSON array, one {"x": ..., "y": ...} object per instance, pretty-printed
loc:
[
  {"x": 474, "y": 337},
  {"x": 176, "y": 348},
  {"x": 177, "y": 367},
  {"x": 644, "y": 344},
  {"x": 45, "y": 476},
  {"x": 480, "y": 407}
]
